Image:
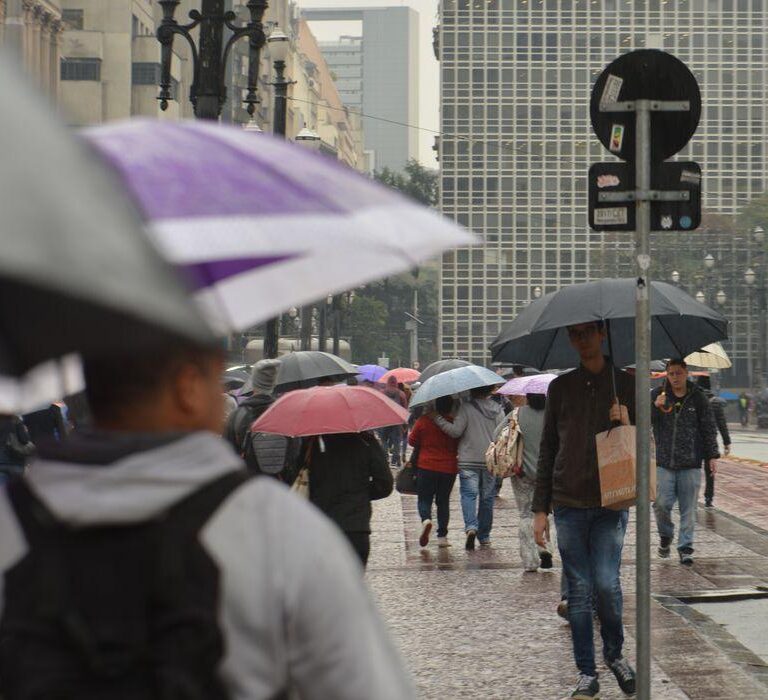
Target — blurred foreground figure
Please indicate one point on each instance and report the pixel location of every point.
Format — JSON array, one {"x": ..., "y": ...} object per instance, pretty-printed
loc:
[{"x": 140, "y": 560}]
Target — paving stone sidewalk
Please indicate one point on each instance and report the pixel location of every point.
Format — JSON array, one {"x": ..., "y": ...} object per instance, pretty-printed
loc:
[{"x": 475, "y": 625}]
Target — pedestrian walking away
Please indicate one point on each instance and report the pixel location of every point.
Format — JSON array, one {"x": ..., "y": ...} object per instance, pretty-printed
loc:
[
  {"x": 580, "y": 404},
  {"x": 474, "y": 425},
  {"x": 718, "y": 413},
  {"x": 263, "y": 453},
  {"x": 530, "y": 419},
  {"x": 346, "y": 472},
  {"x": 685, "y": 433},
  {"x": 392, "y": 436},
  {"x": 434, "y": 457},
  {"x": 177, "y": 571}
]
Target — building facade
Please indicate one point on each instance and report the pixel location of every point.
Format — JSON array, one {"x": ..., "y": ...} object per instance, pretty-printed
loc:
[
  {"x": 516, "y": 143},
  {"x": 110, "y": 66},
  {"x": 31, "y": 30},
  {"x": 388, "y": 55}
]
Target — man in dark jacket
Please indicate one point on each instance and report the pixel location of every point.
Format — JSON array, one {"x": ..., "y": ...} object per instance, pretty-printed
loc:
[
  {"x": 685, "y": 432},
  {"x": 346, "y": 473},
  {"x": 274, "y": 455},
  {"x": 718, "y": 412},
  {"x": 581, "y": 404}
]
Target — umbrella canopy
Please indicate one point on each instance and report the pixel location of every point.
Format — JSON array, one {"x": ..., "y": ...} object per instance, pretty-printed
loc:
[
  {"x": 40, "y": 387},
  {"x": 236, "y": 377},
  {"x": 711, "y": 356},
  {"x": 77, "y": 274},
  {"x": 406, "y": 375},
  {"x": 261, "y": 224},
  {"x": 538, "y": 336},
  {"x": 370, "y": 373},
  {"x": 532, "y": 384},
  {"x": 454, "y": 381},
  {"x": 306, "y": 367},
  {"x": 325, "y": 410},
  {"x": 441, "y": 366}
]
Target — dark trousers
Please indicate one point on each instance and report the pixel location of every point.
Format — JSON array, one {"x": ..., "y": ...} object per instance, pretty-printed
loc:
[
  {"x": 361, "y": 543},
  {"x": 435, "y": 486},
  {"x": 709, "y": 488}
]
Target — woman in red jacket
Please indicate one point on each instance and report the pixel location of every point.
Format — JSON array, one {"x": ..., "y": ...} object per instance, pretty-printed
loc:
[{"x": 436, "y": 471}]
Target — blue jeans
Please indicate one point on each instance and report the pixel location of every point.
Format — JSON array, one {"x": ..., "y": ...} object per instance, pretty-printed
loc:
[
  {"x": 681, "y": 485},
  {"x": 392, "y": 443},
  {"x": 435, "y": 486},
  {"x": 477, "y": 484},
  {"x": 590, "y": 542}
]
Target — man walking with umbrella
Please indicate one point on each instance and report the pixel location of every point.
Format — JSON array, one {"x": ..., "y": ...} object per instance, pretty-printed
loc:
[{"x": 581, "y": 404}]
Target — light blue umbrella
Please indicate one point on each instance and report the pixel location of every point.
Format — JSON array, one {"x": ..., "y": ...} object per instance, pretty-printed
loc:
[{"x": 455, "y": 381}]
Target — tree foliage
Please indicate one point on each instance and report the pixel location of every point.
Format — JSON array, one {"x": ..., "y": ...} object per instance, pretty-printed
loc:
[{"x": 416, "y": 181}]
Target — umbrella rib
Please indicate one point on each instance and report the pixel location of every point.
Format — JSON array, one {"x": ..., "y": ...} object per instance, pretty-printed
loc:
[
  {"x": 549, "y": 349},
  {"x": 669, "y": 335}
]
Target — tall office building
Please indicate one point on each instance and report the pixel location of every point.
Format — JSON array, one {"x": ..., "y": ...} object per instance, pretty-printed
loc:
[
  {"x": 516, "y": 143},
  {"x": 387, "y": 53}
]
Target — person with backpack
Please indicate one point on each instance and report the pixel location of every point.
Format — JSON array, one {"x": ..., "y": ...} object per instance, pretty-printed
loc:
[
  {"x": 473, "y": 426},
  {"x": 434, "y": 457},
  {"x": 141, "y": 561},
  {"x": 685, "y": 435},
  {"x": 526, "y": 423},
  {"x": 263, "y": 453},
  {"x": 346, "y": 472},
  {"x": 16, "y": 446}
]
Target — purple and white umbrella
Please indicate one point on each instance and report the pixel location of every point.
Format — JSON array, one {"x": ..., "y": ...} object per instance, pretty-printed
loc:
[
  {"x": 260, "y": 224},
  {"x": 532, "y": 384}
]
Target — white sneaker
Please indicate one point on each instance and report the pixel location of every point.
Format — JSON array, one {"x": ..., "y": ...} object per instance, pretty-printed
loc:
[
  {"x": 443, "y": 542},
  {"x": 426, "y": 528}
]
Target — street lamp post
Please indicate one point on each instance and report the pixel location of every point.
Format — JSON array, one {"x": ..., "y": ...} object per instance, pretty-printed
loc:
[
  {"x": 709, "y": 264},
  {"x": 675, "y": 278},
  {"x": 749, "y": 278},
  {"x": 208, "y": 92},
  {"x": 762, "y": 370}
]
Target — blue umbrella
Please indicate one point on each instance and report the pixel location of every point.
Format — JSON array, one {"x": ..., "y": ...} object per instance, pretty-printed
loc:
[
  {"x": 728, "y": 396},
  {"x": 370, "y": 373},
  {"x": 455, "y": 381}
]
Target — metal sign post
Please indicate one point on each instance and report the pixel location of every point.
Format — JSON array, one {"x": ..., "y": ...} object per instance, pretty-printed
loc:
[{"x": 662, "y": 93}]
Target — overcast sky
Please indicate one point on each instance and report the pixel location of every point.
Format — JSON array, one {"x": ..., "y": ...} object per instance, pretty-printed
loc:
[{"x": 429, "y": 76}]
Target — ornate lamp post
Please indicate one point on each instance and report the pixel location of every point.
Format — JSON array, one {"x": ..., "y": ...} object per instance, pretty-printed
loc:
[
  {"x": 208, "y": 92},
  {"x": 675, "y": 278},
  {"x": 537, "y": 292},
  {"x": 749, "y": 278}
]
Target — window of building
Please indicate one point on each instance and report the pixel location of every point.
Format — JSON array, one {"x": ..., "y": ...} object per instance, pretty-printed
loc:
[
  {"x": 81, "y": 69},
  {"x": 73, "y": 18}
]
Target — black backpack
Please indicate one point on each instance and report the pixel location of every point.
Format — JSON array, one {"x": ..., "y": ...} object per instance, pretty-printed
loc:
[{"x": 124, "y": 612}]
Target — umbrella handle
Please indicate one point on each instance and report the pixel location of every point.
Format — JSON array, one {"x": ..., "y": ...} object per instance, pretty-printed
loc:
[{"x": 614, "y": 393}]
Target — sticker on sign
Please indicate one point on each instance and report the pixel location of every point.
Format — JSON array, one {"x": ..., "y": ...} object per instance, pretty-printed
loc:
[
  {"x": 611, "y": 90},
  {"x": 608, "y": 181},
  {"x": 611, "y": 216},
  {"x": 690, "y": 177},
  {"x": 617, "y": 138}
]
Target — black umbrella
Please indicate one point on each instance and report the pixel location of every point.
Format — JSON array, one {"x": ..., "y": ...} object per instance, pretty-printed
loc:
[
  {"x": 303, "y": 369},
  {"x": 538, "y": 337},
  {"x": 441, "y": 366}
]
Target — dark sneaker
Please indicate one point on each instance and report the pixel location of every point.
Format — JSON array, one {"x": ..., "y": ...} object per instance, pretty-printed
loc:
[
  {"x": 664, "y": 547},
  {"x": 686, "y": 556},
  {"x": 426, "y": 528},
  {"x": 562, "y": 609},
  {"x": 587, "y": 688},
  {"x": 546, "y": 560},
  {"x": 625, "y": 674},
  {"x": 708, "y": 503},
  {"x": 471, "y": 535}
]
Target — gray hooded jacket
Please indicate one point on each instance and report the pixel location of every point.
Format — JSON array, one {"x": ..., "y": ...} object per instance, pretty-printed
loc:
[
  {"x": 474, "y": 425},
  {"x": 295, "y": 612}
]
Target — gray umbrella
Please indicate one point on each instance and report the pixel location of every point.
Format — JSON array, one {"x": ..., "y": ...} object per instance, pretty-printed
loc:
[
  {"x": 76, "y": 272},
  {"x": 299, "y": 370},
  {"x": 538, "y": 336},
  {"x": 441, "y": 366}
]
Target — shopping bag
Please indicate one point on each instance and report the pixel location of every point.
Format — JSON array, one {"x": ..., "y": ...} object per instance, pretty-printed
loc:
[
  {"x": 405, "y": 481},
  {"x": 617, "y": 464},
  {"x": 301, "y": 485}
]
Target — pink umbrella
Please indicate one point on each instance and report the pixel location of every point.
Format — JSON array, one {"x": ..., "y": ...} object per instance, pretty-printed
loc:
[
  {"x": 406, "y": 375},
  {"x": 533, "y": 384},
  {"x": 324, "y": 410}
]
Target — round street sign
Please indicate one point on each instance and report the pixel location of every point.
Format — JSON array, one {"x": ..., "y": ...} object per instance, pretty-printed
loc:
[{"x": 645, "y": 74}]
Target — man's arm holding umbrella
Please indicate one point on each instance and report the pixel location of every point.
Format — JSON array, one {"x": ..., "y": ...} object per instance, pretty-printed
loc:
[{"x": 459, "y": 425}]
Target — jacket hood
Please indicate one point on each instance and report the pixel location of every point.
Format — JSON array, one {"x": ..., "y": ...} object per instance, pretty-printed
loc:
[{"x": 104, "y": 478}]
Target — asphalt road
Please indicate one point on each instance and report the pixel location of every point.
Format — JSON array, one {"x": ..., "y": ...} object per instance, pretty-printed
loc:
[{"x": 750, "y": 444}]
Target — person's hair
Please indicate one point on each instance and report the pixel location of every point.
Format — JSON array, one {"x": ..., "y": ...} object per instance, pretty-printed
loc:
[
  {"x": 444, "y": 404},
  {"x": 119, "y": 382},
  {"x": 679, "y": 361},
  {"x": 352, "y": 381},
  {"x": 599, "y": 324},
  {"x": 536, "y": 401},
  {"x": 481, "y": 392}
]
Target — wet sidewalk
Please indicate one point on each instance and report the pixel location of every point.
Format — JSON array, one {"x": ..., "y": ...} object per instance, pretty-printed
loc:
[{"x": 474, "y": 625}]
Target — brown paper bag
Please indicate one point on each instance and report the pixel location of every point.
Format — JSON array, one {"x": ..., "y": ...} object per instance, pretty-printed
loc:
[{"x": 616, "y": 462}]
